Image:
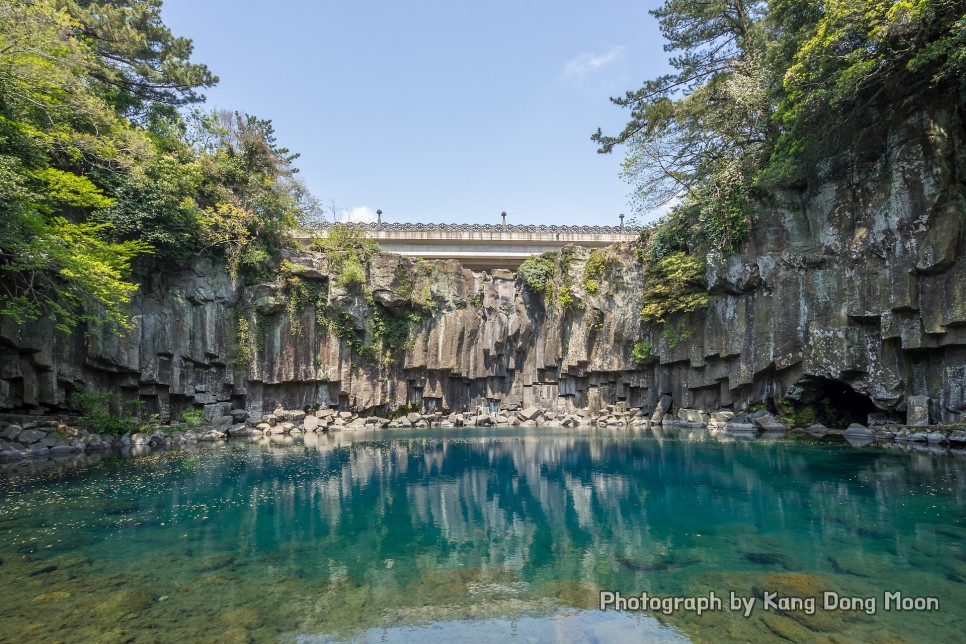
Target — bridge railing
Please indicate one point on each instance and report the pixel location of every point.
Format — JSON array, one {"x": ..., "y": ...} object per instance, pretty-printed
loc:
[{"x": 488, "y": 228}]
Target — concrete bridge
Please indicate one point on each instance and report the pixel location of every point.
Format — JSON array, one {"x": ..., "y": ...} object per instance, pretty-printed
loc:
[{"x": 484, "y": 246}]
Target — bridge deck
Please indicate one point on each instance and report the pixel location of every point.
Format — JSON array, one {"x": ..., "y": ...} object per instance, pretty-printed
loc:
[{"x": 485, "y": 247}]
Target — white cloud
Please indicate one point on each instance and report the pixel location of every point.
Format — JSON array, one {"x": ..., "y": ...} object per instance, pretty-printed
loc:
[
  {"x": 581, "y": 65},
  {"x": 357, "y": 215}
]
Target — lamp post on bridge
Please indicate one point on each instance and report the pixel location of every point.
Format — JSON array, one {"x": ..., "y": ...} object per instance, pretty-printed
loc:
[
  {"x": 622, "y": 223},
  {"x": 379, "y": 219},
  {"x": 504, "y": 219}
]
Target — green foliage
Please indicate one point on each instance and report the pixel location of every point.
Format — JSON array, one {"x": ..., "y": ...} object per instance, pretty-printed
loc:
[
  {"x": 855, "y": 58},
  {"x": 594, "y": 270},
  {"x": 99, "y": 172},
  {"x": 597, "y": 320},
  {"x": 674, "y": 284},
  {"x": 240, "y": 356},
  {"x": 677, "y": 333},
  {"x": 98, "y": 415},
  {"x": 66, "y": 272},
  {"x": 300, "y": 294},
  {"x": 642, "y": 351},
  {"x": 565, "y": 297},
  {"x": 537, "y": 271},
  {"x": 348, "y": 250},
  {"x": 393, "y": 333},
  {"x": 191, "y": 418},
  {"x": 759, "y": 92},
  {"x": 549, "y": 273}
]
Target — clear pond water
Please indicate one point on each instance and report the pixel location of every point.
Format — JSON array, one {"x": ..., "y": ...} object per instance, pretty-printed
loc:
[{"x": 481, "y": 535}]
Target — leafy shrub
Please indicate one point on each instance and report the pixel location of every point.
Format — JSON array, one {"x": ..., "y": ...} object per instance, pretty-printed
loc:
[
  {"x": 595, "y": 268},
  {"x": 675, "y": 284},
  {"x": 642, "y": 351},
  {"x": 191, "y": 418},
  {"x": 537, "y": 271},
  {"x": 98, "y": 418}
]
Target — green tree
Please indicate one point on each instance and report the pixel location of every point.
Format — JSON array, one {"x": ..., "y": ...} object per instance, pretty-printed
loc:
[
  {"x": 144, "y": 70},
  {"x": 697, "y": 133}
]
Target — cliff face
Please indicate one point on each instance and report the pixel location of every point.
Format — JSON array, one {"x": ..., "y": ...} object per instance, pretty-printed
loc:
[{"x": 847, "y": 298}]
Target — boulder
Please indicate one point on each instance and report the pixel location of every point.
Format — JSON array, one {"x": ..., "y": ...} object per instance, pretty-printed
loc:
[
  {"x": 768, "y": 422},
  {"x": 30, "y": 436},
  {"x": 817, "y": 430},
  {"x": 530, "y": 413},
  {"x": 741, "y": 428},
  {"x": 661, "y": 409},
  {"x": 311, "y": 423},
  {"x": 722, "y": 416},
  {"x": 240, "y": 429},
  {"x": 11, "y": 432},
  {"x": 858, "y": 431}
]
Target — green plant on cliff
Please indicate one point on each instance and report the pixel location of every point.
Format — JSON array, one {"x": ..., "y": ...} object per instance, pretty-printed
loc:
[
  {"x": 348, "y": 250},
  {"x": 641, "y": 352},
  {"x": 598, "y": 263},
  {"x": 240, "y": 355},
  {"x": 392, "y": 331},
  {"x": 300, "y": 294},
  {"x": 537, "y": 271},
  {"x": 674, "y": 285},
  {"x": 677, "y": 332}
]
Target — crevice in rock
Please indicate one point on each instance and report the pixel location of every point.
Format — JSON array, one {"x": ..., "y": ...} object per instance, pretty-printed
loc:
[{"x": 815, "y": 399}]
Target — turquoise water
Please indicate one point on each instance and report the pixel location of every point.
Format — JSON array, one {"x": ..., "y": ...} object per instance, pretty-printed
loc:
[{"x": 480, "y": 535}]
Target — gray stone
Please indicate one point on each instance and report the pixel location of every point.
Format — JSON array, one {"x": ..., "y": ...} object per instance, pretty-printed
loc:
[
  {"x": 741, "y": 428},
  {"x": 722, "y": 416},
  {"x": 768, "y": 422},
  {"x": 310, "y": 424},
  {"x": 663, "y": 405},
  {"x": 530, "y": 413},
  {"x": 11, "y": 432},
  {"x": 858, "y": 431},
  {"x": 30, "y": 436},
  {"x": 917, "y": 410}
]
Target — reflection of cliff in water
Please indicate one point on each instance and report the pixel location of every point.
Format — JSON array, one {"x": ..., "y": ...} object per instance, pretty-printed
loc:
[{"x": 602, "y": 507}]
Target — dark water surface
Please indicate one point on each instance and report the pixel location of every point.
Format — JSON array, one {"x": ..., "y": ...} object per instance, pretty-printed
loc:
[{"x": 480, "y": 535}]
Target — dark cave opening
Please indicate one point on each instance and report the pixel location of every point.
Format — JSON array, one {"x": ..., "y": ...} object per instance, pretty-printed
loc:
[{"x": 818, "y": 400}]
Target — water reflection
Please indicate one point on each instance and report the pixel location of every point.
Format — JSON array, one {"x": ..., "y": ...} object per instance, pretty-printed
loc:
[{"x": 355, "y": 524}]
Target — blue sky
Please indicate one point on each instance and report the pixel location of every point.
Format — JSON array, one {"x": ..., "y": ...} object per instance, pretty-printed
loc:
[{"x": 436, "y": 111}]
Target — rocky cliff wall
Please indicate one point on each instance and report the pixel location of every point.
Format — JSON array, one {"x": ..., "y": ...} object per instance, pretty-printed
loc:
[{"x": 848, "y": 298}]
